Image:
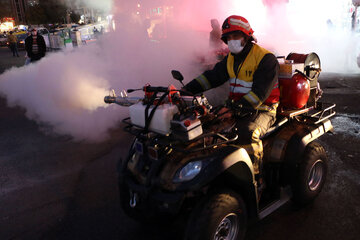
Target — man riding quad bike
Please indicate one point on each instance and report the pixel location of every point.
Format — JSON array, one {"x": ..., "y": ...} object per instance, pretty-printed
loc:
[
  {"x": 221, "y": 167},
  {"x": 253, "y": 74}
]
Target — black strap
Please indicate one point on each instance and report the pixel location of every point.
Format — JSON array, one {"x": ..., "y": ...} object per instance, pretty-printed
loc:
[{"x": 149, "y": 118}]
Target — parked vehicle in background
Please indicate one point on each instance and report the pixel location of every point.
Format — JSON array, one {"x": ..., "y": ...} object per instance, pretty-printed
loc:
[
  {"x": 16, "y": 33},
  {"x": 3, "y": 40},
  {"x": 45, "y": 33},
  {"x": 21, "y": 40},
  {"x": 42, "y": 31}
]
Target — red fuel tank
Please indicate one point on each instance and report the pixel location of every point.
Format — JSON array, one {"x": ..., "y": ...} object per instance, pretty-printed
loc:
[{"x": 294, "y": 91}]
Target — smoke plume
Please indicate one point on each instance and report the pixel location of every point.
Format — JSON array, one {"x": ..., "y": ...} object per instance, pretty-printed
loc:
[
  {"x": 66, "y": 89},
  {"x": 102, "y": 5}
]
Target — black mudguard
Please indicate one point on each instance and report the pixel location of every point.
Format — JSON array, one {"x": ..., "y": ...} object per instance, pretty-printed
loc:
[
  {"x": 289, "y": 145},
  {"x": 301, "y": 139},
  {"x": 230, "y": 160},
  {"x": 233, "y": 166}
]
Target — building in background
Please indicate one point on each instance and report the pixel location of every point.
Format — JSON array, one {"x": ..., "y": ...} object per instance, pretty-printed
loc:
[
  {"x": 158, "y": 12},
  {"x": 16, "y": 9},
  {"x": 5, "y": 8},
  {"x": 19, "y": 9},
  {"x": 7, "y": 21}
]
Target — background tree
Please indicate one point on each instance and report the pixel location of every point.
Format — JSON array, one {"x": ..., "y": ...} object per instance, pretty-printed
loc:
[
  {"x": 5, "y": 9},
  {"x": 46, "y": 12},
  {"x": 74, "y": 17}
]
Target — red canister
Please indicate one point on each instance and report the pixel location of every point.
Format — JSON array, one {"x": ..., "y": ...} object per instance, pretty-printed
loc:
[{"x": 294, "y": 91}]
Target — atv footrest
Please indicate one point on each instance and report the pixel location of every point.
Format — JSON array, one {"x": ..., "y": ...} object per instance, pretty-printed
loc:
[{"x": 285, "y": 196}]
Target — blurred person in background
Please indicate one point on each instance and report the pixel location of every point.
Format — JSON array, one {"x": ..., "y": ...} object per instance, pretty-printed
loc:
[
  {"x": 215, "y": 35},
  {"x": 12, "y": 39},
  {"x": 35, "y": 46}
]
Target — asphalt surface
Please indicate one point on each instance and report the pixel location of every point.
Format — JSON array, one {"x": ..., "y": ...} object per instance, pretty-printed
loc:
[
  {"x": 7, "y": 60},
  {"x": 89, "y": 209}
]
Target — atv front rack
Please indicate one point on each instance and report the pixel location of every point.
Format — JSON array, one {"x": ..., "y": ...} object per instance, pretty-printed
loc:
[{"x": 217, "y": 138}]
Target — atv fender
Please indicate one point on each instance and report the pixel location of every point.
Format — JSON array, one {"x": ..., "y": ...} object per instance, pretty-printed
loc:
[
  {"x": 291, "y": 153},
  {"x": 231, "y": 167},
  {"x": 289, "y": 144},
  {"x": 230, "y": 160},
  {"x": 301, "y": 139}
]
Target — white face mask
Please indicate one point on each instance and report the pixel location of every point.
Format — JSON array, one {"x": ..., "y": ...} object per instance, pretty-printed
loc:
[{"x": 235, "y": 46}]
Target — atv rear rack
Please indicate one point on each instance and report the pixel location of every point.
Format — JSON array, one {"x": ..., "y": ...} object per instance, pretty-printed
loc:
[
  {"x": 322, "y": 112},
  {"x": 313, "y": 114}
]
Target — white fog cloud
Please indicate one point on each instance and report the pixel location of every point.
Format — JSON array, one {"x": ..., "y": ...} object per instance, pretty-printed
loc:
[{"x": 66, "y": 89}]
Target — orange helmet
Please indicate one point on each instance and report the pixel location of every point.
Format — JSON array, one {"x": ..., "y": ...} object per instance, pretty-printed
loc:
[{"x": 234, "y": 24}]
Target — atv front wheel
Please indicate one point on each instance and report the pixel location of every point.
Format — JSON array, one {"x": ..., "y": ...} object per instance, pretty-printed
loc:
[
  {"x": 222, "y": 216},
  {"x": 311, "y": 174}
]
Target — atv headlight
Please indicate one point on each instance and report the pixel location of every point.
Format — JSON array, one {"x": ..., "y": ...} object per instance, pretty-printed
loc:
[{"x": 188, "y": 172}]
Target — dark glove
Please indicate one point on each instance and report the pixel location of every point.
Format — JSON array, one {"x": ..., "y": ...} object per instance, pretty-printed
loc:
[
  {"x": 239, "y": 110},
  {"x": 185, "y": 92},
  {"x": 233, "y": 105}
]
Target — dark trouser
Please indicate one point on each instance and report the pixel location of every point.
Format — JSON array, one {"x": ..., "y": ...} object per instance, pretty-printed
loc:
[
  {"x": 37, "y": 57},
  {"x": 14, "y": 49},
  {"x": 250, "y": 129}
]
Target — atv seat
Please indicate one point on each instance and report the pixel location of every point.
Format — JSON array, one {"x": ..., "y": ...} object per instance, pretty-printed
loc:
[{"x": 281, "y": 120}]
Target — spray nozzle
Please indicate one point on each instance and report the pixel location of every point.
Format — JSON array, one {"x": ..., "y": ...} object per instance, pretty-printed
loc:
[{"x": 111, "y": 98}]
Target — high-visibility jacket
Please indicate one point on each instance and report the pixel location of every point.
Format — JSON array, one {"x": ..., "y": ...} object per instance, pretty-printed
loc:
[
  {"x": 241, "y": 82},
  {"x": 253, "y": 76},
  {"x": 12, "y": 38}
]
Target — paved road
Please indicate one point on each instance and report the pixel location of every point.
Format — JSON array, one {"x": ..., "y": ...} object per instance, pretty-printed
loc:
[
  {"x": 76, "y": 182},
  {"x": 7, "y": 60},
  {"x": 43, "y": 175}
]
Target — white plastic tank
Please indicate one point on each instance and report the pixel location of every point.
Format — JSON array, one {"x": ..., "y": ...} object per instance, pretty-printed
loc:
[{"x": 160, "y": 122}]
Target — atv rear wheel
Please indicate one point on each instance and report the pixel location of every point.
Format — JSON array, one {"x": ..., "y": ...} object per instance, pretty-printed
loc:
[
  {"x": 311, "y": 174},
  {"x": 222, "y": 216}
]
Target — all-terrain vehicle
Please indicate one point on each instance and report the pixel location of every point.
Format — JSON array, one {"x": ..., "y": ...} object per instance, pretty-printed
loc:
[{"x": 184, "y": 160}]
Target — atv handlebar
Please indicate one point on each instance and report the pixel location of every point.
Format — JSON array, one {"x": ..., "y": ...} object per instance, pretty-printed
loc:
[
  {"x": 160, "y": 89},
  {"x": 155, "y": 89}
]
